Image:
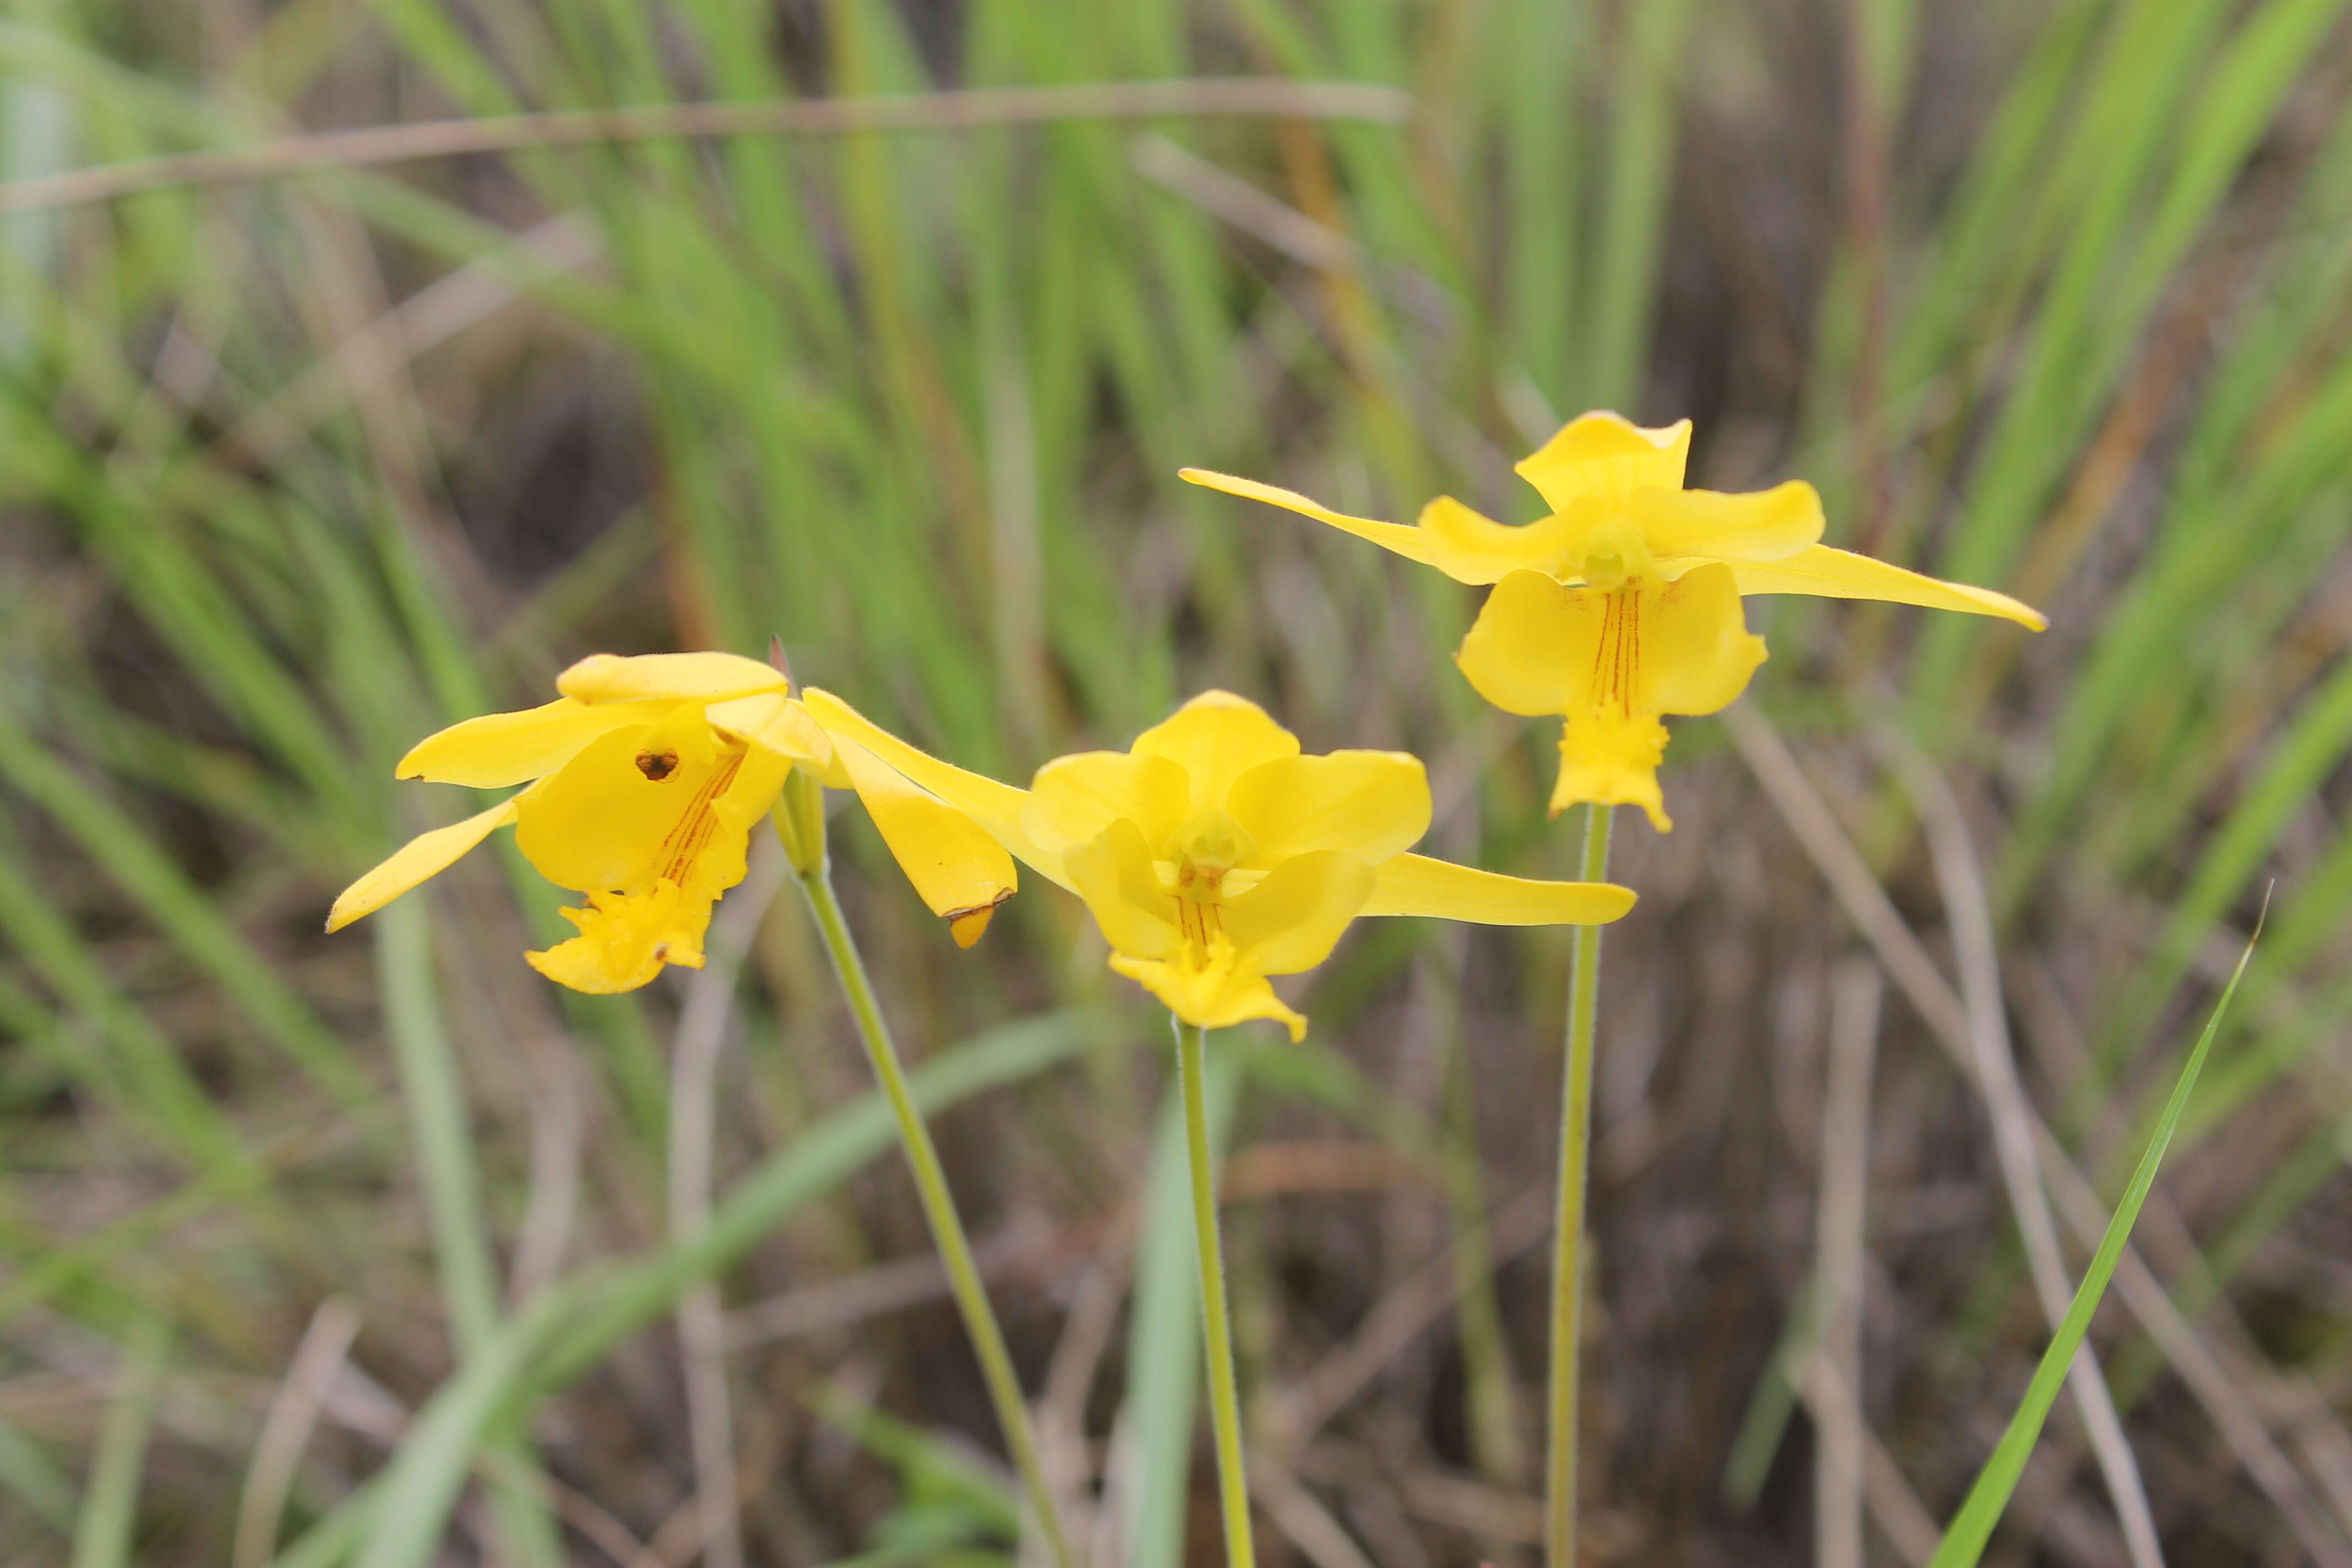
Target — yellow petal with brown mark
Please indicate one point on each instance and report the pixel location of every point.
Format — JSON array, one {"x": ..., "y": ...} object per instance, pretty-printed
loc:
[
  {"x": 625, "y": 940},
  {"x": 631, "y": 808},
  {"x": 499, "y": 750}
]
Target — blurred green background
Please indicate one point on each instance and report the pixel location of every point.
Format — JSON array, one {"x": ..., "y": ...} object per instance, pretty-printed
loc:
[{"x": 380, "y": 1249}]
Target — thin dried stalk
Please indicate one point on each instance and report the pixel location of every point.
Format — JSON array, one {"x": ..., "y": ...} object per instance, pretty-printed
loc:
[{"x": 373, "y": 145}]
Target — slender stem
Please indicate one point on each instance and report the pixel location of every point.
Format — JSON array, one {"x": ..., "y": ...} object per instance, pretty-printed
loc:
[
  {"x": 367, "y": 146},
  {"x": 938, "y": 1208},
  {"x": 1575, "y": 1169},
  {"x": 1225, "y": 1389}
]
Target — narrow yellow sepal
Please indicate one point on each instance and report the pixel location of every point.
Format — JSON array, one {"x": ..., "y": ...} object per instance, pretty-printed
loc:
[
  {"x": 1417, "y": 885},
  {"x": 1460, "y": 542},
  {"x": 427, "y": 854},
  {"x": 1830, "y": 574}
]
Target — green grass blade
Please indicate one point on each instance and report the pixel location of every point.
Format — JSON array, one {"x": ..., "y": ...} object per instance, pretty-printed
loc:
[
  {"x": 144, "y": 1069},
  {"x": 1632, "y": 227},
  {"x": 445, "y": 1154},
  {"x": 110, "y": 1508},
  {"x": 436, "y": 1113},
  {"x": 194, "y": 921},
  {"x": 37, "y": 1482},
  {"x": 1964, "y": 1540},
  {"x": 411, "y": 1507},
  {"x": 2309, "y": 749}
]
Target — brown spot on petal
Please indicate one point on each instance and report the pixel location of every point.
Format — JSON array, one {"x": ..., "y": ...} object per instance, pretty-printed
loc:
[{"x": 656, "y": 765}]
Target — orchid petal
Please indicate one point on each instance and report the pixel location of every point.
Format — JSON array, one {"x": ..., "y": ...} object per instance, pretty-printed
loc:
[
  {"x": 1829, "y": 574},
  {"x": 1291, "y": 921},
  {"x": 957, "y": 869},
  {"x": 1076, "y": 797},
  {"x": 427, "y": 855},
  {"x": 775, "y": 722},
  {"x": 997, "y": 807},
  {"x": 1115, "y": 875},
  {"x": 1215, "y": 738},
  {"x": 499, "y": 750},
  {"x": 675, "y": 677},
  {"x": 633, "y": 808},
  {"x": 1532, "y": 650},
  {"x": 1696, "y": 652},
  {"x": 1214, "y": 998},
  {"x": 626, "y": 939},
  {"x": 1370, "y": 805},
  {"x": 1761, "y": 525},
  {"x": 1607, "y": 456},
  {"x": 1417, "y": 885},
  {"x": 1458, "y": 541}
]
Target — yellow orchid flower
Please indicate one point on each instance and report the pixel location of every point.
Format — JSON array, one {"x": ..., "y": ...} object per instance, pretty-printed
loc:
[
  {"x": 1214, "y": 853},
  {"x": 1622, "y": 605},
  {"x": 645, "y": 777}
]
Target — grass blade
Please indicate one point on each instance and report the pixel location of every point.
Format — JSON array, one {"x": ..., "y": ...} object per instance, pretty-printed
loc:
[
  {"x": 1964, "y": 1540},
  {"x": 109, "y": 1509},
  {"x": 445, "y": 1154}
]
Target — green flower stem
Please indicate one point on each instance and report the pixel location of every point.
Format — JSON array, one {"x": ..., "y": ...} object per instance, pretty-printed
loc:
[
  {"x": 938, "y": 1204},
  {"x": 1575, "y": 1172},
  {"x": 1224, "y": 1390}
]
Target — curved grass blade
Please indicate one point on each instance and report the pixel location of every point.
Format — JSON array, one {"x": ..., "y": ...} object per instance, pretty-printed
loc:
[{"x": 1964, "y": 1539}]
